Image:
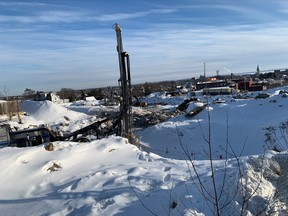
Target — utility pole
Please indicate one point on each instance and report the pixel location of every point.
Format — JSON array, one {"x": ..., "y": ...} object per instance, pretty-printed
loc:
[{"x": 125, "y": 83}]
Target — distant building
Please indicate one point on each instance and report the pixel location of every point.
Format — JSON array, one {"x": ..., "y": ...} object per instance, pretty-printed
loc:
[
  {"x": 218, "y": 91},
  {"x": 249, "y": 85},
  {"x": 211, "y": 84},
  {"x": 244, "y": 85},
  {"x": 90, "y": 98},
  {"x": 257, "y": 71},
  {"x": 41, "y": 96}
]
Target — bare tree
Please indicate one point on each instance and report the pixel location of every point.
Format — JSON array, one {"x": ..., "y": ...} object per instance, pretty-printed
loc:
[
  {"x": 29, "y": 93},
  {"x": 68, "y": 93}
]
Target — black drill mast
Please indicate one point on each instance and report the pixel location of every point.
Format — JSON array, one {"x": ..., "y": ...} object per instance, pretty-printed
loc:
[{"x": 125, "y": 84}]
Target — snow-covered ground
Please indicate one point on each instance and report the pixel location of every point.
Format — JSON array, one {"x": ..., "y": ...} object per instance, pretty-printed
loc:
[{"x": 167, "y": 173}]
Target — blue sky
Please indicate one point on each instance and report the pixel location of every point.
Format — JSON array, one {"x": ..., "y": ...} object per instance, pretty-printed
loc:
[{"x": 54, "y": 44}]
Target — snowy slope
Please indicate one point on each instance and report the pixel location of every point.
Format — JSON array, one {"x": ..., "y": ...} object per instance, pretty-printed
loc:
[
  {"x": 240, "y": 123},
  {"x": 54, "y": 115},
  {"x": 94, "y": 178},
  {"x": 111, "y": 177},
  {"x": 49, "y": 112}
]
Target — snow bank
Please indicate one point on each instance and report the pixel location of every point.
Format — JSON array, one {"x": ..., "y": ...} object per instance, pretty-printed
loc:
[
  {"x": 236, "y": 127},
  {"x": 90, "y": 179},
  {"x": 48, "y": 111},
  {"x": 111, "y": 177}
]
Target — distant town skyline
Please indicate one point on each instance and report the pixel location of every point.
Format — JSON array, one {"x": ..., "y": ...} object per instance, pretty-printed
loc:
[{"x": 49, "y": 45}]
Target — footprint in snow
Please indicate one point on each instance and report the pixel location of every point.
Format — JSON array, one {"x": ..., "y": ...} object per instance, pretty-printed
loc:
[
  {"x": 144, "y": 157},
  {"x": 22, "y": 160},
  {"x": 103, "y": 204},
  {"x": 136, "y": 170},
  {"x": 165, "y": 169},
  {"x": 166, "y": 177}
]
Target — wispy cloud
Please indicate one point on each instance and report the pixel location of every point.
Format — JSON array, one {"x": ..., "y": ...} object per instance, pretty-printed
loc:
[
  {"x": 56, "y": 46},
  {"x": 248, "y": 12},
  {"x": 18, "y": 19},
  {"x": 37, "y": 12},
  {"x": 121, "y": 16},
  {"x": 56, "y": 14},
  {"x": 79, "y": 59},
  {"x": 22, "y": 4},
  {"x": 181, "y": 51},
  {"x": 62, "y": 16}
]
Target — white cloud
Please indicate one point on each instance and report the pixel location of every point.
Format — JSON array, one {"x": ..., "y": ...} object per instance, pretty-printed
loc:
[
  {"x": 48, "y": 57},
  {"x": 23, "y": 4},
  {"x": 19, "y": 19},
  {"x": 88, "y": 58},
  {"x": 239, "y": 50},
  {"x": 60, "y": 14},
  {"x": 121, "y": 16}
]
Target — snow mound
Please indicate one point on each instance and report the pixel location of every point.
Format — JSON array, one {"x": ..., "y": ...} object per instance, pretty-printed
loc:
[
  {"x": 83, "y": 179},
  {"x": 48, "y": 112},
  {"x": 264, "y": 180}
]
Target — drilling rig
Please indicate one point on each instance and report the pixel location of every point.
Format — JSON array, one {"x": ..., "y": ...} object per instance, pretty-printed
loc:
[{"x": 125, "y": 122}]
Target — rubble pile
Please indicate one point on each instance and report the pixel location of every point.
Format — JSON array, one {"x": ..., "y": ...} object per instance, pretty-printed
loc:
[{"x": 143, "y": 118}]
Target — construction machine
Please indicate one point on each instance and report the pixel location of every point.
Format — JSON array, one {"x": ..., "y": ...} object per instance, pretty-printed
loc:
[{"x": 125, "y": 120}]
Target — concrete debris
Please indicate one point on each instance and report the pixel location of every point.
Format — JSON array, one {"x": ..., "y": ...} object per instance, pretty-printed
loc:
[{"x": 144, "y": 118}]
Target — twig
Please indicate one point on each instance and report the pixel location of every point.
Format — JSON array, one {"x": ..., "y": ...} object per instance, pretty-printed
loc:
[{"x": 140, "y": 199}]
